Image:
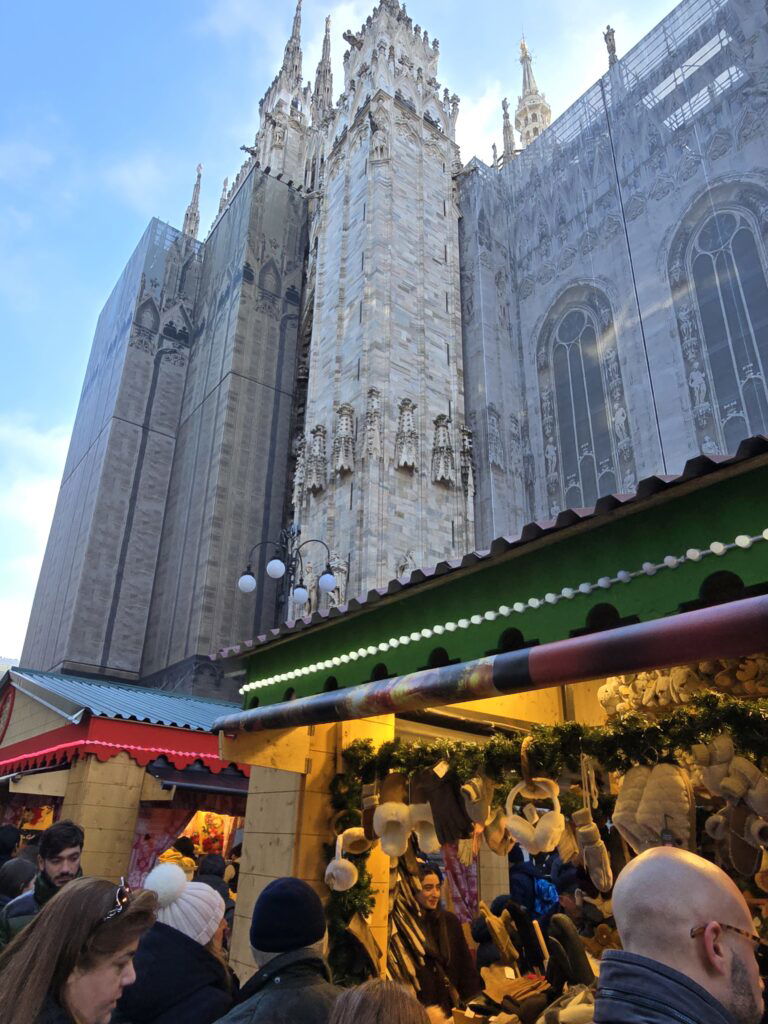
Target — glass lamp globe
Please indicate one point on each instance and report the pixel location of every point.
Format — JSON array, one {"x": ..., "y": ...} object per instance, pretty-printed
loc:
[
  {"x": 300, "y": 595},
  {"x": 247, "y": 583},
  {"x": 275, "y": 569},
  {"x": 327, "y": 582}
]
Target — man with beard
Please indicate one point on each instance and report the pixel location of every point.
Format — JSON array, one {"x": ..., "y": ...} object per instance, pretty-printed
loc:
[
  {"x": 58, "y": 862},
  {"x": 689, "y": 946}
]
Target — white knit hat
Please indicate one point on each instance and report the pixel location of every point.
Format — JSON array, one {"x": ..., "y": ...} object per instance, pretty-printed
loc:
[{"x": 192, "y": 908}]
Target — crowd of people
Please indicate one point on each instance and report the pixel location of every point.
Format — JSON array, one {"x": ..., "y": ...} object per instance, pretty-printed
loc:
[{"x": 78, "y": 950}]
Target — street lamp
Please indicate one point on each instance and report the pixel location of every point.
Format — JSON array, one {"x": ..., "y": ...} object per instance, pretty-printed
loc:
[{"x": 287, "y": 562}]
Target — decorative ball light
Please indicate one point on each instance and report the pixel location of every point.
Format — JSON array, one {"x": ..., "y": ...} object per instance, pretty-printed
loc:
[
  {"x": 275, "y": 569},
  {"x": 247, "y": 583}
]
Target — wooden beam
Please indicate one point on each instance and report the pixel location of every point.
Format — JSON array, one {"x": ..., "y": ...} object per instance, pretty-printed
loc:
[
  {"x": 42, "y": 784},
  {"x": 286, "y": 749},
  {"x": 152, "y": 789}
]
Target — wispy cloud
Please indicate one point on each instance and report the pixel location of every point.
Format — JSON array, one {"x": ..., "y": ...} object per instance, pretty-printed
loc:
[
  {"x": 138, "y": 181},
  {"x": 31, "y": 464}
]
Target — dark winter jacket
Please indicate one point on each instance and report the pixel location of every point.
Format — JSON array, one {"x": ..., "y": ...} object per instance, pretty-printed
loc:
[
  {"x": 449, "y": 976},
  {"x": 177, "y": 980},
  {"x": 52, "y": 1013},
  {"x": 19, "y": 912},
  {"x": 220, "y": 886},
  {"x": 294, "y": 988},
  {"x": 635, "y": 990}
]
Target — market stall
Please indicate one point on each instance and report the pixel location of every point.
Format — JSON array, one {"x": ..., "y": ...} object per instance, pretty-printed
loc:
[
  {"x": 135, "y": 768},
  {"x": 645, "y": 604}
]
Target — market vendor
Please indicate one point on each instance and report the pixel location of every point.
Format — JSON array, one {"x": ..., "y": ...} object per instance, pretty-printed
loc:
[{"x": 449, "y": 977}]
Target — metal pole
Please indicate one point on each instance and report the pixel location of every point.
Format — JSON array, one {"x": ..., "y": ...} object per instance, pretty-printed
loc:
[{"x": 724, "y": 631}]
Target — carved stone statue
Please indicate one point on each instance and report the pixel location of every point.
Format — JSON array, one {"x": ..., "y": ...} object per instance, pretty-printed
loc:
[
  {"x": 344, "y": 440},
  {"x": 709, "y": 446},
  {"x": 406, "y": 440},
  {"x": 340, "y": 570},
  {"x": 405, "y": 565},
  {"x": 299, "y": 475},
  {"x": 467, "y": 462},
  {"x": 379, "y": 136},
  {"x": 620, "y": 423},
  {"x": 443, "y": 463},
  {"x": 697, "y": 382},
  {"x": 550, "y": 454},
  {"x": 373, "y": 424},
  {"x": 495, "y": 443},
  {"x": 316, "y": 462},
  {"x": 610, "y": 41}
]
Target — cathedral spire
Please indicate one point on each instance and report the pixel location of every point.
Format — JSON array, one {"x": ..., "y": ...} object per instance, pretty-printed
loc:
[
  {"x": 322, "y": 97},
  {"x": 533, "y": 113},
  {"x": 509, "y": 134},
  {"x": 192, "y": 216},
  {"x": 292, "y": 58},
  {"x": 529, "y": 82}
]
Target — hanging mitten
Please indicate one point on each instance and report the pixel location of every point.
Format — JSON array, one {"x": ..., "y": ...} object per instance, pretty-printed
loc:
[
  {"x": 593, "y": 851},
  {"x": 440, "y": 789}
]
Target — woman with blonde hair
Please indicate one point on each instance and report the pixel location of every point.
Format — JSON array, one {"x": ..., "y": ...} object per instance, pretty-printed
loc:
[
  {"x": 382, "y": 1002},
  {"x": 72, "y": 962}
]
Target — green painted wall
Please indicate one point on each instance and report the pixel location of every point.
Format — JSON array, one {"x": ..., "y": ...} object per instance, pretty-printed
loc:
[{"x": 714, "y": 511}]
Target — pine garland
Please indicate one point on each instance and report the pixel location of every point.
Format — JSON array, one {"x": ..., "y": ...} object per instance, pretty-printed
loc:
[{"x": 556, "y": 749}]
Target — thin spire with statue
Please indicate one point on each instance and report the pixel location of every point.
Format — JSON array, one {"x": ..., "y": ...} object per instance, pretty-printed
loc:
[{"x": 192, "y": 215}]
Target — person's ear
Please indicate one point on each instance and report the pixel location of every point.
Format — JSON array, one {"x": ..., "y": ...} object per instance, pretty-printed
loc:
[
  {"x": 714, "y": 948},
  {"x": 40, "y": 863}
]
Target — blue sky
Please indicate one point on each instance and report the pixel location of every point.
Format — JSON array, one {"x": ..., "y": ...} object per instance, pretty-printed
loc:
[{"x": 107, "y": 108}]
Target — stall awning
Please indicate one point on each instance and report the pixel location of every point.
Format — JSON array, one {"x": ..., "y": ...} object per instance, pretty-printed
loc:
[
  {"x": 724, "y": 631},
  {"x": 104, "y": 719}
]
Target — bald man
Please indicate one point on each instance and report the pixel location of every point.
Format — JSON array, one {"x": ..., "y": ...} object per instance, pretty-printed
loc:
[{"x": 689, "y": 946}]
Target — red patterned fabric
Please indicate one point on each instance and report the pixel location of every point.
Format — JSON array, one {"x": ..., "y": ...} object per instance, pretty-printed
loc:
[
  {"x": 156, "y": 830},
  {"x": 462, "y": 880}
]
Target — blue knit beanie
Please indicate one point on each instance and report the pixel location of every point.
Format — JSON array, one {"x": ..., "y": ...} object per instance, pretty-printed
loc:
[{"x": 288, "y": 915}]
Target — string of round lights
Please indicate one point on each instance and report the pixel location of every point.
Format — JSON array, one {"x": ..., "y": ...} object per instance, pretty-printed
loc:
[{"x": 670, "y": 562}]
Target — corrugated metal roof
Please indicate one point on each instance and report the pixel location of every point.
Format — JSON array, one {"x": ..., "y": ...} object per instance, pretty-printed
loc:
[
  {"x": 697, "y": 467},
  {"x": 72, "y": 696}
]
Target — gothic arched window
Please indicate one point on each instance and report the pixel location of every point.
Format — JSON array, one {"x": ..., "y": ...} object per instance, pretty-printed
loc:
[
  {"x": 587, "y": 438},
  {"x": 718, "y": 270}
]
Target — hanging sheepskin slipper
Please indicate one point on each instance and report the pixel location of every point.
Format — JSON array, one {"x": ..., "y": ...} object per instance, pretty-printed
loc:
[
  {"x": 667, "y": 807},
  {"x": 392, "y": 824},
  {"x": 497, "y": 838},
  {"x": 355, "y": 841},
  {"x": 477, "y": 795},
  {"x": 635, "y": 835},
  {"x": 341, "y": 874},
  {"x": 546, "y": 833},
  {"x": 423, "y": 824}
]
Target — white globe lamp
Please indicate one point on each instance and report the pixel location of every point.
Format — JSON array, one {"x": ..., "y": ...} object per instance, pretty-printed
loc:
[
  {"x": 247, "y": 582},
  {"x": 275, "y": 569},
  {"x": 327, "y": 582},
  {"x": 300, "y": 594}
]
